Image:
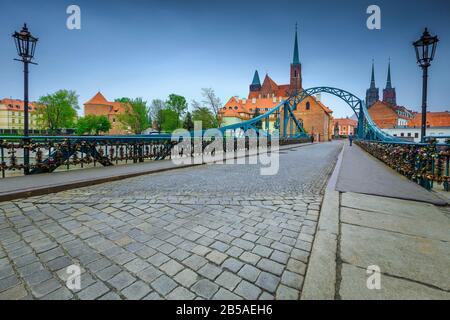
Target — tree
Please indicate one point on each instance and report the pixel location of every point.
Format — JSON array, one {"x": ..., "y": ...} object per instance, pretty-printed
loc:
[
  {"x": 92, "y": 124},
  {"x": 155, "y": 114},
  {"x": 136, "y": 115},
  {"x": 122, "y": 100},
  {"x": 212, "y": 102},
  {"x": 169, "y": 120},
  {"x": 205, "y": 115},
  {"x": 188, "y": 124},
  {"x": 177, "y": 103},
  {"x": 57, "y": 110}
]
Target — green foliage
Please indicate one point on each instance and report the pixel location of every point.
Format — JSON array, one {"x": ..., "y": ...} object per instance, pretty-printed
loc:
[
  {"x": 169, "y": 120},
  {"x": 92, "y": 124},
  {"x": 57, "y": 110},
  {"x": 122, "y": 100},
  {"x": 188, "y": 124},
  {"x": 177, "y": 103},
  {"x": 205, "y": 115},
  {"x": 155, "y": 114},
  {"x": 136, "y": 115}
]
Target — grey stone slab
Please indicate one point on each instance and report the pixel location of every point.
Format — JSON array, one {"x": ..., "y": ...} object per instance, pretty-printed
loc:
[
  {"x": 224, "y": 294},
  {"x": 108, "y": 272},
  {"x": 247, "y": 290},
  {"x": 267, "y": 281},
  {"x": 249, "y": 272},
  {"x": 136, "y": 291},
  {"x": 419, "y": 259},
  {"x": 181, "y": 293},
  {"x": 232, "y": 264},
  {"x": 270, "y": 266},
  {"x": 186, "y": 277},
  {"x": 205, "y": 288},
  {"x": 94, "y": 291},
  {"x": 121, "y": 280},
  {"x": 149, "y": 274},
  {"x": 14, "y": 293},
  {"x": 320, "y": 279},
  {"x": 287, "y": 293},
  {"x": 433, "y": 224},
  {"x": 228, "y": 280},
  {"x": 210, "y": 271},
  {"x": 42, "y": 289},
  {"x": 292, "y": 280},
  {"x": 354, "y": 287},
  {"x": 164, "y": 285}
]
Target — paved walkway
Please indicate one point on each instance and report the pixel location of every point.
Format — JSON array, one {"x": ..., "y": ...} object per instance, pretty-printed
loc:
[
  {"x": 362, "y": 173},
  {"x": 409, "y": 241},
  {"x": 207, "y": 232}
]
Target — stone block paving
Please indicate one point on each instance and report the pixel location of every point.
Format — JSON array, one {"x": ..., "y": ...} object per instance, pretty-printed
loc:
[{"x": 135, "y": 240}]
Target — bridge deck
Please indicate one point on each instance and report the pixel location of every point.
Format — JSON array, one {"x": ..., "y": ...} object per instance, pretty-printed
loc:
[{"x": 362, "y": 173}]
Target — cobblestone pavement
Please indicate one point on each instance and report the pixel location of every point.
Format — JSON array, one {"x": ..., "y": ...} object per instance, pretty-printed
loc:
[{"x": 209, "y": 232}]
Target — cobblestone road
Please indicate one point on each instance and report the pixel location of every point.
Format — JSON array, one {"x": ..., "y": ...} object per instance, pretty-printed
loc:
[{"x": 210, "y": 232}]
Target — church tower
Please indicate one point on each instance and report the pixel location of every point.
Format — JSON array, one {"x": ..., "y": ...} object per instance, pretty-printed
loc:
[
  {"x": 372, "y": 94},
  {"x": 296, "y": 69},
  {"x": 256, "y": 83},
  {"x": 389, "y": 94}
]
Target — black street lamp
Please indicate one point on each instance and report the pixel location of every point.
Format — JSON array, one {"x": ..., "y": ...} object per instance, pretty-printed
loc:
[
  {"x": 425, "y": 50},
  {"x": 25, "y": 45}
]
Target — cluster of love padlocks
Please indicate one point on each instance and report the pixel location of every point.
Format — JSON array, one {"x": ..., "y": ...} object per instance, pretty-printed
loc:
[{"x": 81, "y": 152}]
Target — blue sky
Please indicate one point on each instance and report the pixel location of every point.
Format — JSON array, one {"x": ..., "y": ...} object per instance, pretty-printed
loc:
[{"x": 151, "y": 48}]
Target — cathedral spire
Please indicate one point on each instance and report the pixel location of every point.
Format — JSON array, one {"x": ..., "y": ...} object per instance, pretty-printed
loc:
[
  {"x": 389, "y": 94},
  {"x": 256, "y": 80},
  {"x": 372, "y": 79},
  {"x": 296, "y": 59},
  {"x": 388, "y": 82},
  {"x": 372, "y": 94},
  {"x": 256, "y": 83}
]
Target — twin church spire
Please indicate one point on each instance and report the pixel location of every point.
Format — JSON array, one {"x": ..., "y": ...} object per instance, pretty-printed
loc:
[{"x": 389, "y": 94}]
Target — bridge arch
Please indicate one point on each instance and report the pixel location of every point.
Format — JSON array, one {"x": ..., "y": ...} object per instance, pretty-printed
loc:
[{"x": 367, "y": 129}]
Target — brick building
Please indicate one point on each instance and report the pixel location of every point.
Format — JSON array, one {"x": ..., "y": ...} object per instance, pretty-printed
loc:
[
  {"x": 345, "y": 126},
  {"x": 98, "y": 105},
  {"x": 316, "y": 117}
]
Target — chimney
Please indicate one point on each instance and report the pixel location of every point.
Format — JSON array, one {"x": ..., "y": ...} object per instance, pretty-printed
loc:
[{"x": 253, "y": 100}]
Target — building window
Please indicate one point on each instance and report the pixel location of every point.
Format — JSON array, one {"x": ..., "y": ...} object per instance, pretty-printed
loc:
[
  {"x": 308, "y": 106},
  {"x": 416, "y": 135},
  {"x": 402, "y": 134}
]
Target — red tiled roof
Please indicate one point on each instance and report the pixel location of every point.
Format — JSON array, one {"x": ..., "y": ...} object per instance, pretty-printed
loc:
[
  {"x": 345, "y": 122},
  {"x": 16, "y": 104},
  {"x": 271, "y": 87},
  {"x": 434, "y": 119},
  {"x": 99, "y": 99}
]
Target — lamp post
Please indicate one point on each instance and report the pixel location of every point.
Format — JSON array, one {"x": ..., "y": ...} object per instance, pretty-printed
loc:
[
  {"x": 25, "y": 45},
  {"x": 425, "y": 49}
]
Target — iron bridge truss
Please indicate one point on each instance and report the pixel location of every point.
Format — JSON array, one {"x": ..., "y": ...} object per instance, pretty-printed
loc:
[{"x": 293, "y": 127}]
